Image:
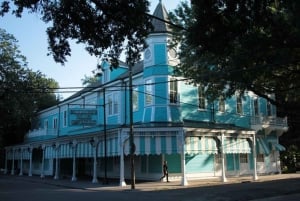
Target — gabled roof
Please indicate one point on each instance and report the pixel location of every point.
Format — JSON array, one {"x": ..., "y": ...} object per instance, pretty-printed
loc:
[{"x": 160, "y": 26}]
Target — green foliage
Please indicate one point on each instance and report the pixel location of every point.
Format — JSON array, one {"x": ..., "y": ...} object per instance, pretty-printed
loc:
[
  {"x": 290, "y": 159},
  {"x": 89, "y": 80},
  {"x": 22, "y": 92},
  {"x": 101, "y": 25},
  {"x": 240, "y": 45}
]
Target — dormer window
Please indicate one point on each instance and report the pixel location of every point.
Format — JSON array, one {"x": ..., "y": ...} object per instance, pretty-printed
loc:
[{"x": 106, "y": 73}]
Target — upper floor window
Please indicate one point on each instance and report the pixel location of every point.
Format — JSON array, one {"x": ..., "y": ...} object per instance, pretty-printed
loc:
[
  {"x": 55, "y": 123},
  {"x": 239, "y": 104},
  {"x": 148, "y": 92},
  {"x": 173, "y": 96},
  {"x": 269, "y": 108},
  {"x": 221, "y": 104},
  {"x": 46, "y": 124},
  {"x": 255, "y": 107},
  {"x": 201, "y": 97},
  {"x": 113, "y": 105},
  {"x": 65, "y": 118},
  {"x": 135, "y": 99}
]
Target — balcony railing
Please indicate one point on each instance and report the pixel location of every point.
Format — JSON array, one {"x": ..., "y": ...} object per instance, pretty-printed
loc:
[
  {"x": 269, "y": 121},
  {"x": 41, "y": 132}
]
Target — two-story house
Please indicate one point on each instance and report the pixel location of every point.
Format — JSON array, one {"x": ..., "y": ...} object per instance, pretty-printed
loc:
[{"x": 88, "y": 133}]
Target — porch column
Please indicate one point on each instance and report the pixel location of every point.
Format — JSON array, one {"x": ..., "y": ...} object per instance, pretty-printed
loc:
[
  {"x": 5, "y": 165},
  {"x": 13, "y": 163},
  {"x": 254, "y": 158},
  {"x": 56, "y": 148},
  {"x": 30, "y": 161},
  {"x": 184, "y": 181},
  {"x": 224, "y": 179},
  {"x": 21, "y": 162},
  {"x": 122, "y": 140},
  {"x": 94, "y": 143},
  {"x": 43, "y": 159},
  {"x": 74, "y": 148}
]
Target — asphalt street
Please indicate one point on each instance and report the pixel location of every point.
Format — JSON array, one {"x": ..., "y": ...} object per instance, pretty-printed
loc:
[{"x": 267, "y": 188}]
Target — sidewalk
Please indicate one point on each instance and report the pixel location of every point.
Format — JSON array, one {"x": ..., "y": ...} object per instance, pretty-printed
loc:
[{"x": 113, "y": 185}]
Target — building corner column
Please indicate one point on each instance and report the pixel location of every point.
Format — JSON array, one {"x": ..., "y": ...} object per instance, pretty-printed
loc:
[
  {"x": 122, "y": 139},
  {"x": 254, "y": 158},
  {"x": 30, "y": 161},
  {"x": 21, "y": 162},
  {"x": 224, "y": 179},
  {"x": 43, "y": 161},
  {"x": 184, "y": 181},
  {"x": 74, "y": 148},
  {"x": 94, "y": 142}
]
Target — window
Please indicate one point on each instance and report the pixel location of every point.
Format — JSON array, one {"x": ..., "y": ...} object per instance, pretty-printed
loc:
[
  {"x": 65, "y": 118},
  {"x": 201, "y": 97},
  {"x": 255, "y": 107},
  {"x": 173, "y": 91},
  {"x": 148, "y": 92},
  {"x": 243, "y": 158},
  {"x": 239, "y": 104},
  {"x": 269, "y": 109},
  {"x": 260, "y": 158},
  {"x": 55, "y": 123},
  {"x": 113, "y": 106},
  {"x": 135, "y": 99},
  {"x": 110, "y": 105},
  {"x": 221, "y": 104},
  {"x": 46, "y": 124}
]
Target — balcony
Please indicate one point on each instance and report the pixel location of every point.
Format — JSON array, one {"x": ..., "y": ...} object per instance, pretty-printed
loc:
[
  {"x": 41, "y": 133},
  {"x": 269, "y": 123}
]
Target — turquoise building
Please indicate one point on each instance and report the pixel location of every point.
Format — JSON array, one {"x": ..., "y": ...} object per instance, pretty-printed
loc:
[{"x": 88, "y": 134}]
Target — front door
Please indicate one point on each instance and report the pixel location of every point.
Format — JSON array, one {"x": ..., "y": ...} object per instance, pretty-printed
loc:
[{"x": 244, "y": 164}]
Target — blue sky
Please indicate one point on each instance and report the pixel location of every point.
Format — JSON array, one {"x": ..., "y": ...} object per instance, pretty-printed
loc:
[{"x": 30, "y": 32}]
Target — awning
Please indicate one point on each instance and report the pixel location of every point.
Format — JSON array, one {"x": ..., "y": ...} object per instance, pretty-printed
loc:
[
  {"x": 154, "y": 143},
  {"x": 278, "y": 146},
  {"x": 236, "y": 145},
  {"x": 198, "y": 145},
  {"x": 261, "y": 147}
]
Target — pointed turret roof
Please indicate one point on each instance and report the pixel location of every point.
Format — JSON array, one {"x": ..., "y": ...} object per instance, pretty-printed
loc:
[{"x": 160, "y": 26}]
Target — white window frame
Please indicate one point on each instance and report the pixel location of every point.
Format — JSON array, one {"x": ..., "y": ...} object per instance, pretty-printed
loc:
[
  {"x": 112, "y": 104},
  {"x": 173, "y": 91},
  {"x": 148, "y": 92},
  {"x": 55, "y": 123},
  {"x": 269, "y": 109},
  {"x": 222, "y": 104},
  {"x": 65, "y": 118},
  {"x": 239, "y": 104},
  {"x": 46, "y": 124},
  {"x": 135, "y": 99}
]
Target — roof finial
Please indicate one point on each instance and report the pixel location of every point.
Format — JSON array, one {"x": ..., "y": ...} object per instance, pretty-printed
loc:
[{"x": 159, "y": 1}]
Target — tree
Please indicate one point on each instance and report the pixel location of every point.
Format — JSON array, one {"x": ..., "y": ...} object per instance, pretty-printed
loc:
[
  {"x": 101, "y": 25},
  {"x": 89, "y": 80},
  {"x": 22, "y": 92},
  {"x": 241, "y": 45}
]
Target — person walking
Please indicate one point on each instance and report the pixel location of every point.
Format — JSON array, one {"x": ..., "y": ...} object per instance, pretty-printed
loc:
[{"x": 165, "y": 171}]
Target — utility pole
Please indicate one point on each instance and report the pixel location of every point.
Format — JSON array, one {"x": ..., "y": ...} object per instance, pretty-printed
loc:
[
  {"x": 131, "y": 137},
  {"x": 105, "y": 181}
]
